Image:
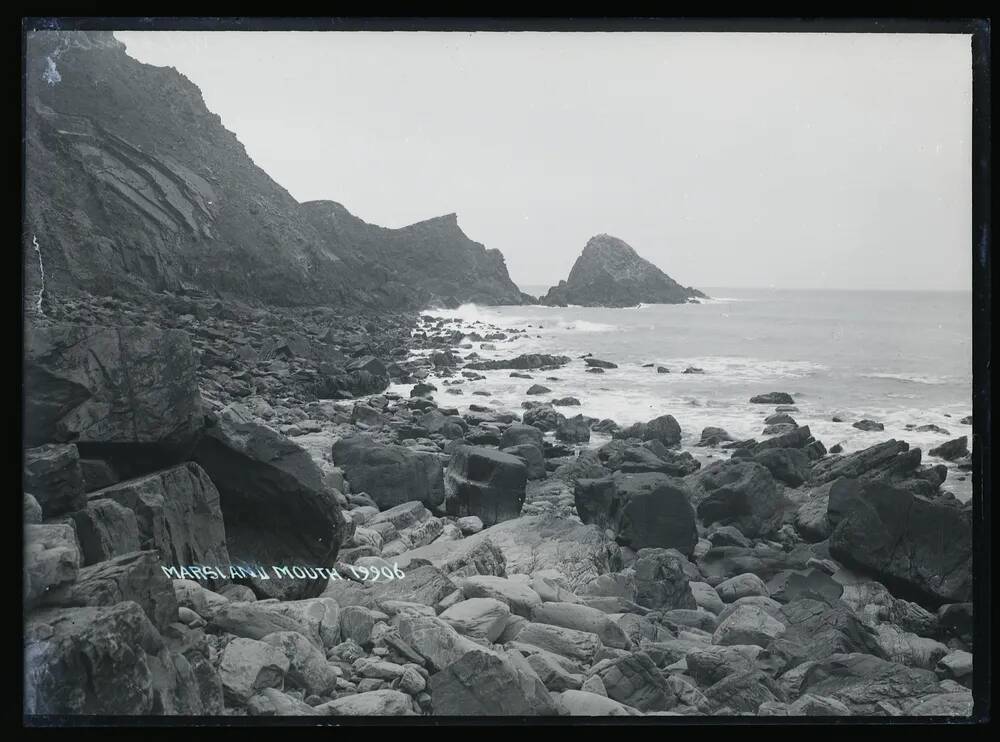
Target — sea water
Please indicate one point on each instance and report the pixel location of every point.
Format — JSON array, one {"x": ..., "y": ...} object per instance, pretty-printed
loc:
[{"x": 897, "y": 357}]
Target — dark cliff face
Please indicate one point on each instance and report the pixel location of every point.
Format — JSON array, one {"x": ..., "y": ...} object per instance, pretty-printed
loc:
[
  {"x": 434, "y": 256},
  {"x": 609, "y": 273},
  {"x": 133, "y": 185}
]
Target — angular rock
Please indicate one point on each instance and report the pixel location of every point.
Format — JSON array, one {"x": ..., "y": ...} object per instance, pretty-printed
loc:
[
  {"x": 117, "y": 385},
  {"x": 738, "y": 493},
  {"x": 492, "y": 684},
  {"x": 390, "y": 475},
  {"x": 105, "y": 530},
  {"x": 485, "y": 483},
  {"x": 919, "y": 547},
  {"x": 642, "y": 510},
  {"x": 660, "y": 580},
  {"x": 91, "y": 660},
  {"x": 277, "y": 510},
  {"x": 52, "y": 474},
  {"x": 635, "y": 681},
  {"x": 479, "y": 618},
  {"x": 178, "y": 512}
]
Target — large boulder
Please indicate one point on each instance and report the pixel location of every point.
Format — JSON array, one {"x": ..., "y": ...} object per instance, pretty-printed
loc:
[
  {"x": 873, "y": 460},
  {"x": 106, "y": 529},
  {"x": 869, "y": 685},
  {"x": 642, "y": 510},
  {"x": 277, "y": 509},
  {"x": 136, "y": 577},
  {"x": 485, "y": 483},
  {"x": 92, "y": 660},
  {"x": 664, "y": 429},
  {"x": 919, "y": 547},
  {"x": 660, "y": 580},
  {"x": 489, "y": 683},
  {"x": 738, "y": 493},
  {"x": 178, "y": 514},
  {"x": 247, "y": 666},
  {"x": 52, "y": 474},
  {"x": 390, "y": 474},
  {"x": 112, "y": 385}
]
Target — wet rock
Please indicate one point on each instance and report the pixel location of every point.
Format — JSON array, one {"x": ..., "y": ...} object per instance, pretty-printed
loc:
[
  {"x": 789, "y": 466},
  {"x": 574, "y": 429},
  {"x": 664, "y": 429},
  {"x": 952, "y": 450},
  {"x": 922, "y": 546},
  {"x": 773, "y": 398},
  {"x": 868, "y": 425},
  {"x": 390, "y": 475},
  {"x": 642, "y": 510},
  {"x": 485, "y": 483},
  {"x": 738, "y": 493}
]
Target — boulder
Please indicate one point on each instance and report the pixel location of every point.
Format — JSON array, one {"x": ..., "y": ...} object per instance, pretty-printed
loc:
[
  {"x": 532, "y": 457},
  {"x": 869, "y": 685},
  {"x": 521, "y": 599},
  {"x": 308, "y": 668},
  {"x": 774, "y": 398},
  {"x": 920, "y": 547},
  {"x": 92, "y": 660},
  {"x": 664, "y": 429},
  {"x": 660, "y": 580},
  {"x": 634, "y": 680},
  {"x": 748, "y": 624},
  {"x": 738, "y": 493},
  {"x": 105, "y": 530},
  {"x": 485, "y": 483},
  {"x": 581, "y": 618},
  {"x": 574, "y": 429},
  {"x": 384, "y": 702},
  {"x": 52, "y": 474},
  {"x": 491, "y": 684},
  {"x": 585, "y": 703},
  {"x": 247, "y": 666},
  {"x": 277, "y": 509},
  {"x": 518, "y": 434},
  {"x": 178, "y": 512},
  {"x": 789, "y": 466},
  {"x": 952, "y": 450},
  {"x": 133, "y": 577},
  {"x": 642, "y": 510},
  {"x": 744, "y": 692},
  {"x": 111, "y": 385},
  {"x": 479, "y": 618},
  {"x": 390, "y": 474}
]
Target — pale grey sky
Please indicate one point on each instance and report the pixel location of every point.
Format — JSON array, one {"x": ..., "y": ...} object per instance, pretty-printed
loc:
[{"x": 786, "y": 160}]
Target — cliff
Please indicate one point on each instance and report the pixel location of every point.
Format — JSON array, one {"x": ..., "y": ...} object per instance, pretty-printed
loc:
[
  {"x": 133, "y": 186},
  {"x": 609, "y": 273}
]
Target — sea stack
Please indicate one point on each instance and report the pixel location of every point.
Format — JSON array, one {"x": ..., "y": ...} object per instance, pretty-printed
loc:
[{"x": 609, "y": 273}]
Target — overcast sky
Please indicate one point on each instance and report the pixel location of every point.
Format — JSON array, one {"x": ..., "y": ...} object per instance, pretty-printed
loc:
[{"x": 739, "y": 160}]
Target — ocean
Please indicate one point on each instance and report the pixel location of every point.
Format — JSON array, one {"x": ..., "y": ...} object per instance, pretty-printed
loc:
[{"x": 897, "y": 357}]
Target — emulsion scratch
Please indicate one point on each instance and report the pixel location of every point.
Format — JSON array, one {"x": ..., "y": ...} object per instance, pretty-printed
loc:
[{"x": 41, "y": 273}]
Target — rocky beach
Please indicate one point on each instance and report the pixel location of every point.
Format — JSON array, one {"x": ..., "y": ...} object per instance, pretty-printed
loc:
[
  {"x": 267, "y": 471},
  {"x": 529, "y": 570}
]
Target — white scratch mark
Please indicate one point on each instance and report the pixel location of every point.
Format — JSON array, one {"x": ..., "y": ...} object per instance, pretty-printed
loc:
[{"x": 41, "y": 273}]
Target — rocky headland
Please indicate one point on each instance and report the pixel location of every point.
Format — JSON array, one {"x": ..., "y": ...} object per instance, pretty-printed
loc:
[{"x": 609, "y": 273}]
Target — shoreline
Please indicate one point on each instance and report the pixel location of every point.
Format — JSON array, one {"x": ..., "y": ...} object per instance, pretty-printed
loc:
[{"x": 557, "y": 559}]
